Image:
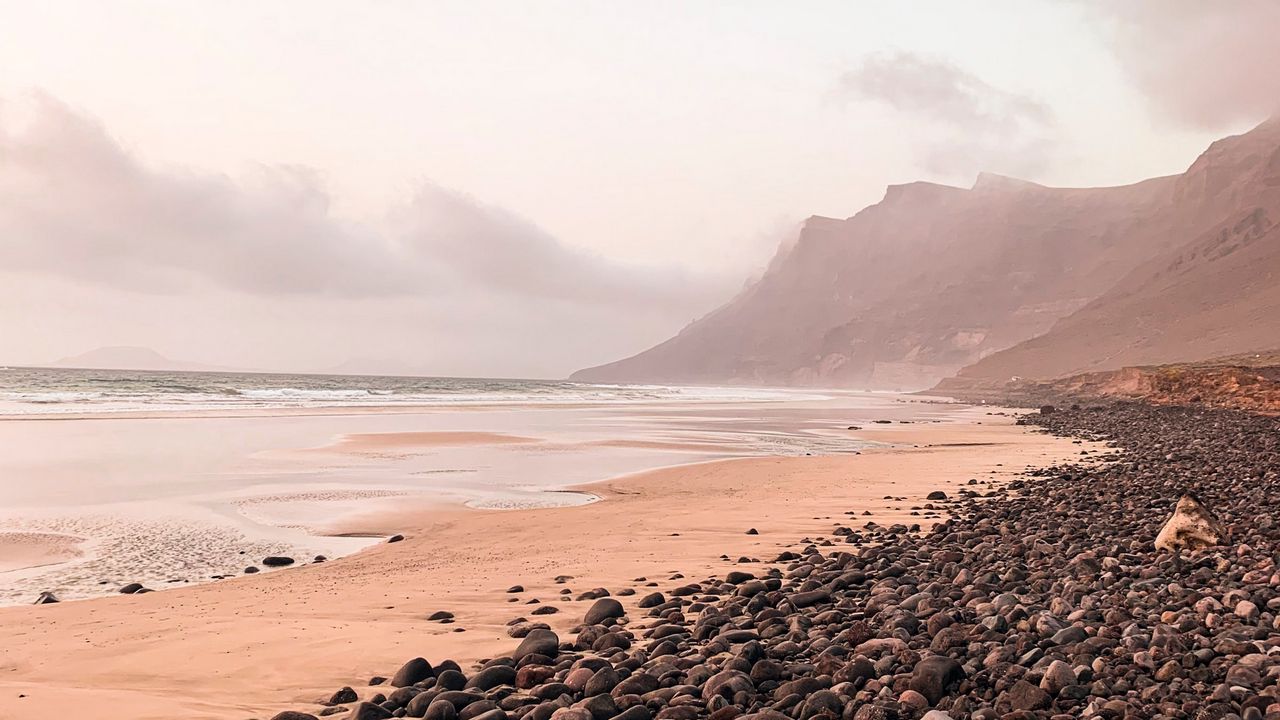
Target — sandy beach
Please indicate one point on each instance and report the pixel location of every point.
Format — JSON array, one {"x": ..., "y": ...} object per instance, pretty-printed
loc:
[{"x": 252, "y": 646}]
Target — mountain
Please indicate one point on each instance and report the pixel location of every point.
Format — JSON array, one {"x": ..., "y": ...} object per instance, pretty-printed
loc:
[
  {"x": 1216, "y": 293},
  {"x": 913, "y": 288},
  {"x": 935, "y": 279},
  {"x": 129, "y": 358}
]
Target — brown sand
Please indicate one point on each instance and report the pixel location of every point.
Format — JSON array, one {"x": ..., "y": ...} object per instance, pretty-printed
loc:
[{"x": 252, "y": 646}]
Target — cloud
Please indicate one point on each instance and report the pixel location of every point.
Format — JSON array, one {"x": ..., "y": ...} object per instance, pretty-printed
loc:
[
  {"x": 78, "y": 209},
  {"x": 75, "y": 202},
  {"x": 476, "y": 244},
  {"x": 1206, "y": 64},
  {"x": 969, "y": 124}
]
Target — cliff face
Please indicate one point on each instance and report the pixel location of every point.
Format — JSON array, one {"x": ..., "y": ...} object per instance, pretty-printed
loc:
[
  {"x": 1216, "y": 292},
  {"x": 1005, "y": 279},
  {"x": 915, "y": 287}
]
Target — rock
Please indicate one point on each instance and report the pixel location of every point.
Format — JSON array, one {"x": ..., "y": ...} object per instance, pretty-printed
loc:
[
  {"x": 343, "y": 696},
  {"x": 46, "y": 598},
  {"x": 936, "y": 495},
  {"x": 516, "y": 589},
  {"x": 635, "y": 712},
  {"x": 913, "y": 700},
  {"x": 546, "y": 610},
  {"x": 440, "y": 615},
  {"x": 395, "y": 538},
  {"x": 538, "y": 642},
  {"x": 753, "y": 531},
  {"x": 1047, "y": 409},
  {"x": 651, "y": 600},
  {"x": 810, "y": 598},
  {"x": 369, "y": 711},
  {"x": 1056, "y": 677},
  {"x": 132, "y": 589},
  {"x": 491, "y": 677},
  {"x": 932, "y": 676},
  {"x": 1191, "y": 527},
  {"x": 277, "y": 561},
  {"x": 414, "y": 671},
  {"x": 1025, "y": 696},
  {"x": 250, "y": 570},
  {"x": 291, "y": 715},
  {"x": 603, "y": 610}
]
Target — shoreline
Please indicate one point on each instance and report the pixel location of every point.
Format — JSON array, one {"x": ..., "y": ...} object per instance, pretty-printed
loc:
[
  {"x": 248, "y": 647},
  {"x": 219, "y": 494}
]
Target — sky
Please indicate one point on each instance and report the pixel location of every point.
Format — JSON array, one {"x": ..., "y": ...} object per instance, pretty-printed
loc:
[{"x": 522, "y": 189}]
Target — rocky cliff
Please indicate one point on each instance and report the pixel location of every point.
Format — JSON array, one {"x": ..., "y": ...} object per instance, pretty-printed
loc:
[{"x": 935, "y": 279}]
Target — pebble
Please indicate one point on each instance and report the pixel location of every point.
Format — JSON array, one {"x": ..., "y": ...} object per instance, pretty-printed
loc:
[{"x": 1045, "y": 597}]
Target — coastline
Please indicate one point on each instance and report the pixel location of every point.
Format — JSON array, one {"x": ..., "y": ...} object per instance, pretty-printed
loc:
[{"x": 249, "y": 647}]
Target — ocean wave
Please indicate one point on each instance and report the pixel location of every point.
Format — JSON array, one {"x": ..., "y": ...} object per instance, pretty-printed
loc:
[
  {"x": 303, "y": 393},
  {"x": 38, "y": 391},
  {"x": 50, "y": 398}
]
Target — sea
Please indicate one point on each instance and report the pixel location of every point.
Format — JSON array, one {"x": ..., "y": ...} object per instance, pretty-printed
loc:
[
  {"x": 109, "y": 477},
  {"x": 46, "y": 391}
]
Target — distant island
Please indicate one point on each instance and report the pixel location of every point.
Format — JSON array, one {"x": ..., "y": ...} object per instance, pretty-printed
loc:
[{"x": 127, "y": 357}]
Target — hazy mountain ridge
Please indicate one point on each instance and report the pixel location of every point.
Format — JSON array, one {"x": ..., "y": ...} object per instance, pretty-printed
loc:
[
  {"x": 934, "y": 278},
  {"x": 912, "y": 288},
  {"x": 1217, "y": 294}
]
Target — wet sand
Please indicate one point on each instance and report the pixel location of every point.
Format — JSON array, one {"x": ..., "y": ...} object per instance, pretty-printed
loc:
[
  {"x": 26, "y": 550},
  {"x": 249, "y": 647}
]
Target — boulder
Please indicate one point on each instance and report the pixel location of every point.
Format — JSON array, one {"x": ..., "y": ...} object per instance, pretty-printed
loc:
[
  {"x": 414, "y": 671},
  {"x": 933, "y": 675},
  {"x": 603, "y": 610},
  {"x": 537, "y": 642},
  {"x": 1191, "y": 527}
]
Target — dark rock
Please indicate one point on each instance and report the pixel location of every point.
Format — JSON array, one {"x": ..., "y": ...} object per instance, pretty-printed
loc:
[
  {"x": 369, "y": 711},
  {"x": 538, "y": 642},
  {"x": 277, "y": 561},
  {"x": 491, "y": 677},
  {"x": 651, "y": 600},
  {"x": 934, "y": 675},
  {"x": 1025, "y": 696},
  {"x": 414, "y": 671},
  {"x": 603, "y": 610},
  {"x": 343, "y": 696}
]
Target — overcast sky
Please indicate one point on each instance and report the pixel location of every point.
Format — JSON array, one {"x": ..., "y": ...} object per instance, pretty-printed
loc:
[{"x": 522, "y": 189}]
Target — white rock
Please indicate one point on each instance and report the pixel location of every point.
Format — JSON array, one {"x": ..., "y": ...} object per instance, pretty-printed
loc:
[{"x": 1191, "y": 526}]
